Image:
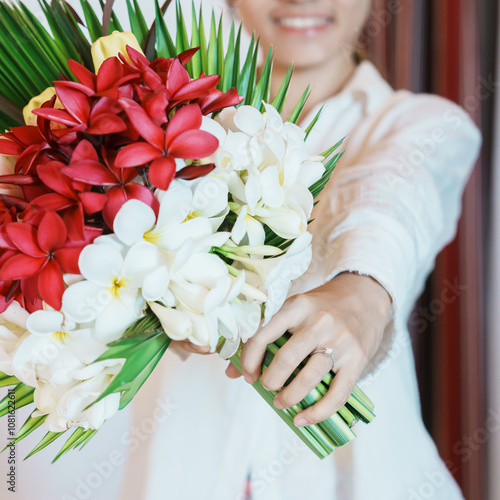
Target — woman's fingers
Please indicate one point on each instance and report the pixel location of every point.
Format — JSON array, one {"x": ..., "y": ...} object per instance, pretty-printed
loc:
[
  {"x": 254, "y": 350},
  {"x": 232, "y": 371},
  {"x": 341, "y": 388},
  {"x": 289, "y": 357},
  {"x": 188, "y": 346},
  {"x": 307, "y": 379}
]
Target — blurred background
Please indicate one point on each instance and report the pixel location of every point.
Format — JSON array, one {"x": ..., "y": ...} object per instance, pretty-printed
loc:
[{"x": 450, "y": 48}]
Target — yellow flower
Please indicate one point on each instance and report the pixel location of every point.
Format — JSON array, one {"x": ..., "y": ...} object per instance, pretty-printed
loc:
[
  {"x": 112, "y": 45},
  {"x": 35, "y": 103}
]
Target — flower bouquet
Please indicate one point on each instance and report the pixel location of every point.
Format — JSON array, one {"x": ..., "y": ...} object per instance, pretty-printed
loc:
[{"x": 151, "y": 192}]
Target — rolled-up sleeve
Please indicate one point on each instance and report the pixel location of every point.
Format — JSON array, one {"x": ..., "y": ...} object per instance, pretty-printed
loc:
[{"x": 394, "y": 201}]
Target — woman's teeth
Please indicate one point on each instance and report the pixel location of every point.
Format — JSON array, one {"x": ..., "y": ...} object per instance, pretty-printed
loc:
[{"x": 302, "y": 22}]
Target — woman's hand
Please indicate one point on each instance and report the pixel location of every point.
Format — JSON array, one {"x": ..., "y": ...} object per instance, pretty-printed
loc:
[
  {"x": 348, "y": 314},
  {"x": 185, "y": 346}
]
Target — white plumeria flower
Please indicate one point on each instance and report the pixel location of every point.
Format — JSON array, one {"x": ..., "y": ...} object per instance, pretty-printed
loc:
[
  {"x": 237, "y": 323},
  {"x": 186, "y": 215},
  {"x": 275, "y": 275},
  {"x": 12, "y": 329},
  {"x": 113, "y": 291},
  {"x": 66, "y": 405},
  {"x": 269, "y": 171},
  {"x": 201, "y": 286},
  {"x": 209, "y": 199},
  {"x": 53, "y": 349},
  {"x": 207, "y": 304},
  {"x": 246, "y": 225},
  {"x": 46, "y": 398}
]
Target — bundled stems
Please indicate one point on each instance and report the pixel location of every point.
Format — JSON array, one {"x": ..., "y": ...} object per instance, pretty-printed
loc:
[{"x": 322, "y": 438}]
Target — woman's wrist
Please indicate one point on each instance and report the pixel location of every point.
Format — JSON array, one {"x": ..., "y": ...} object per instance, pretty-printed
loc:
[{"x": 369, "y": 290}]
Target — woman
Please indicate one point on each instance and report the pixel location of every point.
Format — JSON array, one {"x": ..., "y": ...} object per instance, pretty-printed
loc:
[{"x": 391, "y": 206}]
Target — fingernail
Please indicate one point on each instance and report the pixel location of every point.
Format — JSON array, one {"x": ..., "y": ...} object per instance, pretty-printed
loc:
[
  {"x": 248, "y": 378},
  {"x": 278, "y": 404},
  {"x": 301, "y": 421}
]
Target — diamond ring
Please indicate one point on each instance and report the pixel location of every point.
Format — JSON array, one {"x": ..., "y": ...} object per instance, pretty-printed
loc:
[{"x": 326, "y": 351}]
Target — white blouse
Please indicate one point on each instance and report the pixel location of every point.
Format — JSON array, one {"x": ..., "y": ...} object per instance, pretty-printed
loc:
[{"x": 193, "y": 434}]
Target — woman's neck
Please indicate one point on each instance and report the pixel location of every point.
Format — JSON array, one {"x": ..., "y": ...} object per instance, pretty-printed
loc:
[{"x": 325, "y": 81}]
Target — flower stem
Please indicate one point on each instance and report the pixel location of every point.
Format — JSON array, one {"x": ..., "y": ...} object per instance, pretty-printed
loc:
[{"x": 326, "y": 436}]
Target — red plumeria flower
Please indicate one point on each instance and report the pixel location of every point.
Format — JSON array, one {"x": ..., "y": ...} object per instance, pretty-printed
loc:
[
  {"x": 181, "y": 139},
  {"x": 119, "y": 184},
  {"x": 170, "y": 74},
  {"x": 44, "y": 252},
  {"x": 81, "y": 114},
  {"x": 111, "y": 79},
  {"x": 26, "y": 142},
  {"x": 217, "y": 100}
]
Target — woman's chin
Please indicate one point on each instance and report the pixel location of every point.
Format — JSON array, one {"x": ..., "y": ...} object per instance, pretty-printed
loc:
[{"x": 301, "y": 59}]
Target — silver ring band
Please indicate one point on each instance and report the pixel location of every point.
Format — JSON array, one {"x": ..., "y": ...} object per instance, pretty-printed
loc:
[{"x": 326, "y": 351}]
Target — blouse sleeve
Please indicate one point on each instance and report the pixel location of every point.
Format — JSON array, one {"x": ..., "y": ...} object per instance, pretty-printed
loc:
[{"x": 394, "y": 202}]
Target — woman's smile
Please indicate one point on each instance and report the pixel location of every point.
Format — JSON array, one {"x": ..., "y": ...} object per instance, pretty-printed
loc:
[{"x": 307, "y": 25}]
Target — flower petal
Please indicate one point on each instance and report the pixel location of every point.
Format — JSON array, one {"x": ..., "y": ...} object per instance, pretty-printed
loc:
[
  {"x": 44, "y": 322},
  {"x": 51, "y": 284},
  {"x": 24, "y": 237},
  {"x": 162, "y": 171},
  {"x": 177, "y": 324},
  {"x": 143, "y": 124},
  {"x": 132, "y": 221},
  {"x": 115, "y": 318},
  {"x": 91, "y": 172},
  {"x": 272, "y": 193},
  {"x": 193, "y": 145},
  {"x": 142, "y": 259},
  {"x": 175, "y": 205},
  {"x": 249, "y": 120},
  {"x": 52, "y": 232},
  {"x": 101, "y": 264},
  {"x": 136, "y": 154},
  {"x": 21, "y": 266},
  {"x": 83, "y": 301},
  {"x": 155, "y": 284},
  {"x": 187, "y": 118}
]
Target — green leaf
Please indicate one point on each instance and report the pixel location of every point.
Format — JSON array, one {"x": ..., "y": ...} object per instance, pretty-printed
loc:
[
  {"x": 138, "y": 362},
  {"x": 70, "y": 443},
  {"x": 212, "y": 48},
  {"x": 244, "y": 76},
  {"x": 228, "y": 70},
  {"x": 203, "y": 43},
  {"x": 85, "y": 439},
  {"x": 279, "y": 100},
  {"x": 127, "y": 397},
  {"x": 264, "y": 84},
  {"x": 252, "y": 77},
  {"x": 23, "y": 395},
  {"x": 31, "y": 424},
  {"x": 220, "y": 48},
  {"x": 195, "y": 42},
  {"x": 152, "y": 38},
  {"x": 297, "y": 111},
  {"x": 164, "y": 45},
  {"x": 8, "y": 380},
  {"x": 50, "y": 437},
  {"x": 67, "y": 32},
  {"x": 140, "y": 28},
  {"x": 314, "y": 121},
  {"x": 329, "y": 151},
  {"x": 182, "y": 38},
  {"x": 91, "y": 21}
]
